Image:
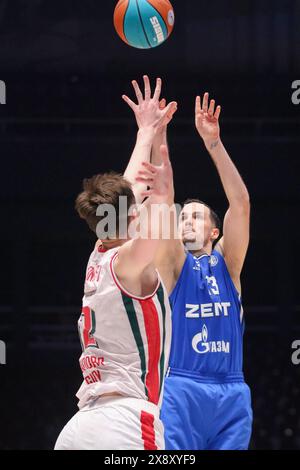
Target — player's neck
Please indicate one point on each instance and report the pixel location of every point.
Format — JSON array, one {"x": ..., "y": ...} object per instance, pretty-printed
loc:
[{"x": 206, "y": 250}]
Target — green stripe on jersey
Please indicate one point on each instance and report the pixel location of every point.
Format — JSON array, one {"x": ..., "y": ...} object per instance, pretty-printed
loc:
[
  {"x": 161, "y": 298},
  {"x": 132, "y": 317}
]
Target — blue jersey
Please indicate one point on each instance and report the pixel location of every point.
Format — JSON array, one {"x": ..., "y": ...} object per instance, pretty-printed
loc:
[
  {"x": 207, "y": 317},
  {"x": 206, "y": 361}
]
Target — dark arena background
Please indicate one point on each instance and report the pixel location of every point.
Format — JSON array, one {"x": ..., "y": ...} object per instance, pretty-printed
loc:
[{"x": 65, "y": 70}]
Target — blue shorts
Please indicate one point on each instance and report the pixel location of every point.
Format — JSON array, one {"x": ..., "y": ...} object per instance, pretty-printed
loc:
[{"x": 206, "y": 416}]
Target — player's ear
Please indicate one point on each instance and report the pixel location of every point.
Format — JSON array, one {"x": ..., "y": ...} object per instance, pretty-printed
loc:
[{"x": 215, "y": 233}]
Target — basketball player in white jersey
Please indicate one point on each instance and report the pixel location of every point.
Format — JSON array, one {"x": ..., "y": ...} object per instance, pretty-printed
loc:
[{"x": 125, "y": 325}]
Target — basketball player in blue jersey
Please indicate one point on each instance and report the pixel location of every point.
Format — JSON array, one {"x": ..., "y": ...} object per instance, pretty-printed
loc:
[{"x": 207, "y": 404}]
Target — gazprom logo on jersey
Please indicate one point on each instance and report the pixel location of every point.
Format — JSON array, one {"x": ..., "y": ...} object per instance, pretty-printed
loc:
[{"x": 202, "y": 346}]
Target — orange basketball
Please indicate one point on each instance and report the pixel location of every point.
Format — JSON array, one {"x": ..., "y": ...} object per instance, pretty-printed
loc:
[{"x": 144, "y": 23}]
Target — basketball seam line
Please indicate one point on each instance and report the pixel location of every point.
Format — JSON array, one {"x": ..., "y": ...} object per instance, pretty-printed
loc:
[
  {"x": 124, "y": 16},
  {"x": 141, "y": 19}
]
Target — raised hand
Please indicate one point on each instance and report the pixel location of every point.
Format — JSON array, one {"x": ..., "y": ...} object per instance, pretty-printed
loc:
[
  {"x": 150, "y": 111},
  {"x": 169, "y": 116},
  {"x": 159, "y": 179},
  {"x": 207, "y": 119}
]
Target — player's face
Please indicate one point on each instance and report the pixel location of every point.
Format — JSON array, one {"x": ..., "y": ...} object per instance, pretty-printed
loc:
[{"x": 195, "y": 224}]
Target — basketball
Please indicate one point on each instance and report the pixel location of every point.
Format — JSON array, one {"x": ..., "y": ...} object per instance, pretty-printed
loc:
[{"x": 144, "y": 24}]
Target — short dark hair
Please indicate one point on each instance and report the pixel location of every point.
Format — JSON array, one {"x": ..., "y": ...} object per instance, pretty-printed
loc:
[
  {"x": 102, "y": 189},
  {"x": 213, "y": 215}
]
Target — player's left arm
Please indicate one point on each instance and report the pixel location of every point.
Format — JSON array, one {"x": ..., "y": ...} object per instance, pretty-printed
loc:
[
  {"x": 234, "y": 243},
  {"x": 138, "y": 253},
  {"x": 152, "y": 113}
]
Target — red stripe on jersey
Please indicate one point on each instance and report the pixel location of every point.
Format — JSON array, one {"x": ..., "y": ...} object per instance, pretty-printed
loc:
[
  {"x": 148, "y": 433},
  {"x": 153, "y": 338},
  {"x": 88, "y": 340}
]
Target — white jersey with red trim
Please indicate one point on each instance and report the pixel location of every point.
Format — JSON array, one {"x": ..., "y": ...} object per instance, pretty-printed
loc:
[{"x": 125, "y": 339}]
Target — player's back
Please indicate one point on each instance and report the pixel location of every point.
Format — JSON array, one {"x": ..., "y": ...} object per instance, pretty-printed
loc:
[{"x": 125, "y": 339}]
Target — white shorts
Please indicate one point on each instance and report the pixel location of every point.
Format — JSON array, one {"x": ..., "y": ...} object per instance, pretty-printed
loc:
[{"x": 114, "y": 423}]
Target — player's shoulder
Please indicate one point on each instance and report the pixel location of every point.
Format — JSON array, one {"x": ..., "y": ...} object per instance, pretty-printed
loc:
[
  {"x": 218, "y": 255},
  {"x": 101, "y": 255},
  {"x": 217, "y": 259},
  {"x": 219, "y": 248}
]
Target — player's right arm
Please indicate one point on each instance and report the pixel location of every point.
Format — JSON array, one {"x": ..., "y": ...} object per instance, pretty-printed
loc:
[
  {"x": 149, "y": 116},
  {"x": 134, "y": 265},
  {"x": 234, "y": 243},
  {"x": 170, "y": 255},
  {"x": 161, "y": 135}
]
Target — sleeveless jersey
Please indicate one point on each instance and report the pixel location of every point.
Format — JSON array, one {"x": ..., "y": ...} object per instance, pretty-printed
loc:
[
  {"x": 125, "y": 339},
  {"x": 207, "y": 321}
]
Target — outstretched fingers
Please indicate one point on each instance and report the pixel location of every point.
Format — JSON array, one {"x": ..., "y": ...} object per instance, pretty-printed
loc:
[
  {"x": 198, "y": 109},
  {"x": 129, "y": 102},
  {"x": 145, "y": 174},
  {"x": 218, "y": 112},
  {"x": 211, "y": 108},
  {"x": 137, "y": 90},
  {"x": 170, "y": 109},
  {"x": 162, "y": 104},
  {"x": 147, "y": 181},
  {"x": 149, "y": 167},
  {"x": 207, "y": 107},
  {"x": 157, "y": 91},
  {"x": 205, "y": 102},
  {"x": 147, "y": 87}
]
